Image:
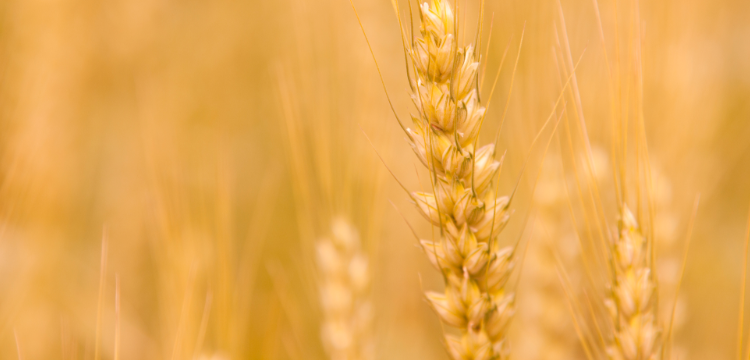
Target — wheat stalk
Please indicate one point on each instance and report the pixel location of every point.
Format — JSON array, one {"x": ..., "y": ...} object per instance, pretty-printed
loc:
[
  {"x": 344, "y": 283},
  {"x": 632, "y": 305},
  {"x": 463, "y": 204}
]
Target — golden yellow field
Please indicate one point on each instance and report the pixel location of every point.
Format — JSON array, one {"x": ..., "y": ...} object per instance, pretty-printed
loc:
[{"x": 217, "y": 180}]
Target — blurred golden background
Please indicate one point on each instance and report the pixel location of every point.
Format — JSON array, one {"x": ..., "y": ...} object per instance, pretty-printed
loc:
[{"x": 187, "y": 155}]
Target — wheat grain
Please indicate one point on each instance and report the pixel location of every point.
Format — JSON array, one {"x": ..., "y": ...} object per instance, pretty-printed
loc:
[{"x": 463, "y": 204}]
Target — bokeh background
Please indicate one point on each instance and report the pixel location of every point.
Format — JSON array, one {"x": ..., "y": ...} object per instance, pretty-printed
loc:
[{"x": 200, "y": 148}]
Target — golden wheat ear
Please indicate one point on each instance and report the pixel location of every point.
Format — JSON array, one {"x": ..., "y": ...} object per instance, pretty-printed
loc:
[
  {"x": 629, "y": 293},
  {"x": 443, "y": 78},
  {"x": 343, "y": 286},
  {"x": 632, "y": 300}
]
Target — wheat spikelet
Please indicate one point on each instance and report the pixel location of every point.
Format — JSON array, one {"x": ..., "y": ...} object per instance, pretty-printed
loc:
[
  {"x": 463, "y": 204},
  {"x": 344, "y": 283},
  {"x": 632, "y": 303}
]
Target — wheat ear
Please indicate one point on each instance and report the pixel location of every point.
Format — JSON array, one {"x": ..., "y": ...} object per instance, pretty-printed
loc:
[
  {"x": 632, "y": 304},
  {"x": 344, "y": 281},
  {"x": 463, "y": 204}
]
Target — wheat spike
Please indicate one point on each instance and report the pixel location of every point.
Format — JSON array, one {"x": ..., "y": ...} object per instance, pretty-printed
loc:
[
  {"x": 463, "y": 204},
  {"x": 547, "y": 332},
  {"x": 632, "y": 303},
  {"x": 344, "y": 283}
]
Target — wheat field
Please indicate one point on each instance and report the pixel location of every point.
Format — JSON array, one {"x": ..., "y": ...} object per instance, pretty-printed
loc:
[{"x": 374, "y": 179}]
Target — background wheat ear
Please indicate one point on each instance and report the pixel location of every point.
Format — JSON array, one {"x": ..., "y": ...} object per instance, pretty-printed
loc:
[
  {"x": 344, "y": 283},
  {"x": 623, "y": 320},
  {"x": 632, "y": 302},
  {"x": 547, "y": 332}
]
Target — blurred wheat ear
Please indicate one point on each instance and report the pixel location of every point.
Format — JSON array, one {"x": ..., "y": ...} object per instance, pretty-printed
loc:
[
  {"x": 344, "y": 283},
  {"x": 625, "y": 308},
  {"x": 632, "y": 304}
]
